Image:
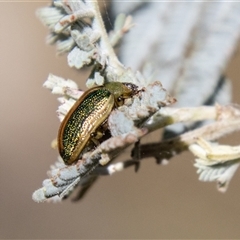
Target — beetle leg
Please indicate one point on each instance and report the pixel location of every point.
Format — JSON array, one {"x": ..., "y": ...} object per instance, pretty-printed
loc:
[
  {"x": 104, "y": 126},
  {"x": 95, "y": 136},
  {"x": 95, "y": 141}
]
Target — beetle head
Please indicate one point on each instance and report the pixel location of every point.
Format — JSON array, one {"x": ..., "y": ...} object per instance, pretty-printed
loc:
[{"x": 121, "y": 91}]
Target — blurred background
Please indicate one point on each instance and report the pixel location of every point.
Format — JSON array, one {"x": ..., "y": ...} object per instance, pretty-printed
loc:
[{"x": 157, "y": 202}]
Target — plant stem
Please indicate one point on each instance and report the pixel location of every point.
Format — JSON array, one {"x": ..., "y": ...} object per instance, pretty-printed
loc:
[{"x": 105, "y": 44}]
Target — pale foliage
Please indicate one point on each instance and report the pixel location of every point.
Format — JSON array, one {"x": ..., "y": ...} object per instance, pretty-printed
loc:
[{"x": 185, "y": 45}]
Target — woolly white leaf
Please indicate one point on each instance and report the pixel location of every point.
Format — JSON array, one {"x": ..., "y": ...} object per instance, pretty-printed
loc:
[
  {"x": 119, "y": 123},
  {"x": 65, "y": 45},
  {"x": 97, "y": 80},
  {"x": 58, "y": 84},
  {"x": 64, "y": 107},
  {"x": 78, "y": 58},
  {"x": 222, "y": 173},
  {"x": 49, "y": 16}
]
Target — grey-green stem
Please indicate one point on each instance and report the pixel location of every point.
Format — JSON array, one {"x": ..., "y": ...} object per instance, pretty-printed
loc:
[{"x": 106, "y": 46}]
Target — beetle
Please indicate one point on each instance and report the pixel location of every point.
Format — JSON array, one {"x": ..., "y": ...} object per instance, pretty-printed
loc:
[{"x": 83, "y": 125}]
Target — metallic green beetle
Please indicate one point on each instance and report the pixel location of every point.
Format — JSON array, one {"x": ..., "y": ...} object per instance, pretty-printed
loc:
[{"x": 83, "y": 124}]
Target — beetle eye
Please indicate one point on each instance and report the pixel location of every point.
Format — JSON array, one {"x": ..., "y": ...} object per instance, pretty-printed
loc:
[{"x": 119, "y": 101}]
